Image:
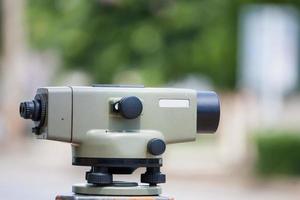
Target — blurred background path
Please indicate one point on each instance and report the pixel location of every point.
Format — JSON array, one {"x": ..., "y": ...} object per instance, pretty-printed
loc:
[{"x": 41, "y": 170}]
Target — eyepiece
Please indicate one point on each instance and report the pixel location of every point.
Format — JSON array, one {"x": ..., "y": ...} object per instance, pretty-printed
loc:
[
  {"x": 208, "y": 112},
  {"x": 30, "y": 110}
]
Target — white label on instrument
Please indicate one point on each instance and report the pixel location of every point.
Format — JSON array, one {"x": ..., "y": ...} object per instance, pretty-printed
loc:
[{"x": 174, "y": 103}]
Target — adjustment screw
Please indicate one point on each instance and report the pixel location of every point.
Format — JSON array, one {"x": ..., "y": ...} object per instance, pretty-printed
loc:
[{"x": 156, "y": 146}]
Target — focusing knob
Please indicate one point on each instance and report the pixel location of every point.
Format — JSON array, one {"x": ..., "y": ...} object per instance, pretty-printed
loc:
[
  {"x": 156, "y": 146},
  {"x": 129, "y": 107}
]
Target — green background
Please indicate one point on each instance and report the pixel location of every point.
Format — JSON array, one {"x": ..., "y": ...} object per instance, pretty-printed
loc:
[{"x": 161, "y": 40}]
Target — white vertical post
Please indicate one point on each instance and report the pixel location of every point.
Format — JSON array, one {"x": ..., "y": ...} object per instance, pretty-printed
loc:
[
  {"x": 13, "y": 70},
  {"x": 269, "y": 56}
]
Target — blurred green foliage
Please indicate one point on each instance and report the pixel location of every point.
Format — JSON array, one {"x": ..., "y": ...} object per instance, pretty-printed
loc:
[
  {"x": 161, "y": 39},
  {"x": 278, "y": 153}
]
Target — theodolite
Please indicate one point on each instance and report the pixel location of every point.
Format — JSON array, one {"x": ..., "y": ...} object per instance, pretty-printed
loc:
[{"x": 116, "y": 129}]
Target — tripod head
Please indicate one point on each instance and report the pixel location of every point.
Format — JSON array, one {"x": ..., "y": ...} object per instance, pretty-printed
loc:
[{"x": 117, "y": 129}]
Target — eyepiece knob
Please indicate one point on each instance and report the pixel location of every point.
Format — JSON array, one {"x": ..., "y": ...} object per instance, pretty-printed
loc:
[
  {"x": 30, "y": 110},
  {"x": 208, "y": 112}
]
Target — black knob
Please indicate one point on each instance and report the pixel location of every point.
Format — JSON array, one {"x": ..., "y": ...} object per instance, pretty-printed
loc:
[
  {"x": 129, "y": 107},
  {"x": 153, "y": 176},
  {"x": 208, "y": 112},
  {"x": 99, "y": 176},
  {"x": 156, "y": 146},
  {"x": 30, "y": 110}
]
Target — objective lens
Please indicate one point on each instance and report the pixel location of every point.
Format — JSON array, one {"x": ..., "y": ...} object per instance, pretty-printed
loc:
[
  {"x": 30, "y": 110},
  {"x": 208, "y": 112}
]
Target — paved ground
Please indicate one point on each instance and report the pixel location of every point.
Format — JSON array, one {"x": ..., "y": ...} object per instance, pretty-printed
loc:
[{"x": 40, "y": 170}]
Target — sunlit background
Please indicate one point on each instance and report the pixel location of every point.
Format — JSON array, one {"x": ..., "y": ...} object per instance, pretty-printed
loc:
[{"x": 246, "y": 50}]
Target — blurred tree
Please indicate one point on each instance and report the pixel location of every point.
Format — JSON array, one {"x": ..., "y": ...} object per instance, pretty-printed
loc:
[{"x": 161, "y": 39}]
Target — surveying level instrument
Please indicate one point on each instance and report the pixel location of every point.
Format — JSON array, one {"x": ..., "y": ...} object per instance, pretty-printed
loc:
[{"x": 116, "y": 129}]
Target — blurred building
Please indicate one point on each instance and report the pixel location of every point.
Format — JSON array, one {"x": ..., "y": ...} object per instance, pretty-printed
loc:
[{"x": 269, "y": 56}]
